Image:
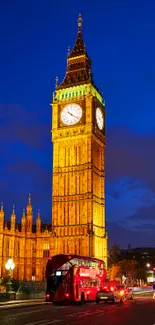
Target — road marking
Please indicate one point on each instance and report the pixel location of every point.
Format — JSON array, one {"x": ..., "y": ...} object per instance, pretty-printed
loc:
[
  {"x": 28, "y": 312},
  {"x": 45, "y": 322},
  {"x": 38, "y": 322}
]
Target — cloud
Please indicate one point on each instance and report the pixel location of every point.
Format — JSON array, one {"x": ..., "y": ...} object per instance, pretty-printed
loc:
[
  {"x": 115, "y": 195},
  {"x": 144, "y": 213},
  {"x": 130, "y": 155},
  {"x": 25, "y": 126},
  {"x": 119, "y": 235}
]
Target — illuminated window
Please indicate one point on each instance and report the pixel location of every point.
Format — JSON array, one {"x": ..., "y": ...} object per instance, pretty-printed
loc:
[
  {"x": 33, "y": 249},
  {"x": 17, "y": 248},
  {"x": 7, "y": 247},
  {"x": 33, "y": 271},
  {"x": 46, "y": 249}
]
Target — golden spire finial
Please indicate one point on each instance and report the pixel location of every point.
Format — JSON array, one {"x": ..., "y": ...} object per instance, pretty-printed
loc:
[
  {"x": 2, "y": 206},
  {"x": 79, "y": 23},
  {"x": 56, "y": 82},
  {"x": 68, "y": 52},
  {"x": 38, "y": 213},
  {"x": 23, "y": 212},
  {"x": 29, "y": 201},
  {"x": 13, "y": 209}
]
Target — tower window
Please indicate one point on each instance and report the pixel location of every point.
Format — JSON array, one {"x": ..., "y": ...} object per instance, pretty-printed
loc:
[
  {"x": 62, "y": 96},
  {"x": 66, "y": 95}
]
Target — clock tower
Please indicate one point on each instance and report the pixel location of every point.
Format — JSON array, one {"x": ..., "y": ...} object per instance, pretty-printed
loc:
[{"x": 78, "y": 136}]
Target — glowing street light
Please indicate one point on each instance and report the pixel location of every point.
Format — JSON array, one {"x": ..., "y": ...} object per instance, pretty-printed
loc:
[
  {"x": 148, "y": 265},
  {"x": 10, "y": 265}
]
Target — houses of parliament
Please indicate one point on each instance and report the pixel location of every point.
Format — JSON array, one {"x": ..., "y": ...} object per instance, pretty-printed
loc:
[{"x": 78, "y": 196}]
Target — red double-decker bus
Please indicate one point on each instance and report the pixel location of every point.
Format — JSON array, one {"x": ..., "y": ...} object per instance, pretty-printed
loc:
[{"x": 73, "y": 278}]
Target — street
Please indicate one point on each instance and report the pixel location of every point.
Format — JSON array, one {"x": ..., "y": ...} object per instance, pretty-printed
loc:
[{"x": 140, "y": 311}]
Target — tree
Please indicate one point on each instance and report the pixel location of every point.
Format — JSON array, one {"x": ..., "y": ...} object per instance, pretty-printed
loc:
[
  {"x": 114, "y": 254},
  {"x": 140, "y": 274},
  {"x": 128, "y": 268},
  {"x": 114, "y": 270}
]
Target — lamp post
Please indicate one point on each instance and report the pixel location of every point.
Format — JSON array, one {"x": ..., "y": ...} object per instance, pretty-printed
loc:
[{"x": 10, "y": 265}]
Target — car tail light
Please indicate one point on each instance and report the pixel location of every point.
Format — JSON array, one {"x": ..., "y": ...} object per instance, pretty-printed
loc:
[
  {"x": 67, "y": 295},
  {"x": 98, "y": 289},
  {"x": 111, "y": 289},
  {"x": 47, "y": 295}
]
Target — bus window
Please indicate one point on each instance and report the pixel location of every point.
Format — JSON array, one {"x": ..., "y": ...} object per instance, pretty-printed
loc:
[
  {"x": 74, "y": 261},
  {"x": 65, "y": 266}
]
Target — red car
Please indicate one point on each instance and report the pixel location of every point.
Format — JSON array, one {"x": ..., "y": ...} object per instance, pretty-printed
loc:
[{"x": 128, "y": 291}]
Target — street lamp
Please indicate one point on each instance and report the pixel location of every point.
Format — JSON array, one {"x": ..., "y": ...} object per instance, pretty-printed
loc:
[
  {"x": 10, "y": 265},
  {"x": 148, "y": 265}
]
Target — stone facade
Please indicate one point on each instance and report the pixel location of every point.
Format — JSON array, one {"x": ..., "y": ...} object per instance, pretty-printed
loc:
[{"x": 27, "y": 244}]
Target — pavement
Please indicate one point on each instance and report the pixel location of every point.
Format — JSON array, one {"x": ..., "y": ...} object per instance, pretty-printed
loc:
[
  {"x": 17, "y": 303},
  {"x": 139, "y": 311}
]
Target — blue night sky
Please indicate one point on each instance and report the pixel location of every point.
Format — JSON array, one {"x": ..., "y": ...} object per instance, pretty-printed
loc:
[{"x": 119, "y": 37}]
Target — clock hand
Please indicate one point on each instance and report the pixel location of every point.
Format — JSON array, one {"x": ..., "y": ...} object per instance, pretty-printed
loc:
[{"x": 72, "y": 115}]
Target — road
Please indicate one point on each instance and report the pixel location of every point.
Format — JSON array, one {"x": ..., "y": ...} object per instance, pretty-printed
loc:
[{"x": 140, "y": 311}]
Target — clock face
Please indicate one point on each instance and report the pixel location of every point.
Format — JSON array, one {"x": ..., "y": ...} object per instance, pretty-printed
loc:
[
  {"x": 71, "y": 114},
  {"x": 99, "y": 118}
]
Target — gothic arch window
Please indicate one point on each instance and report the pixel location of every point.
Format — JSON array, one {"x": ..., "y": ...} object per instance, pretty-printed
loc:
[
  {"x": 33, "y": 249},
  {"x": 46, "y": 248},
  {"x": 7, "y": 247}
]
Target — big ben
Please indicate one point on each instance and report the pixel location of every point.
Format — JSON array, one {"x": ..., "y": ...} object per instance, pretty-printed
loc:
[{"x": 78, "y": 136}]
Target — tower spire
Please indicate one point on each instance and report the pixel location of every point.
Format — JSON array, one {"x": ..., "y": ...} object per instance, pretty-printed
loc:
[
  {"x": 13, "y": 209},
  {"x": 2, "y": 206},
  {"x": 29, "y": 200},
  {"x": 78, "y": 63},
  {"x": 79, "y": 21}
]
